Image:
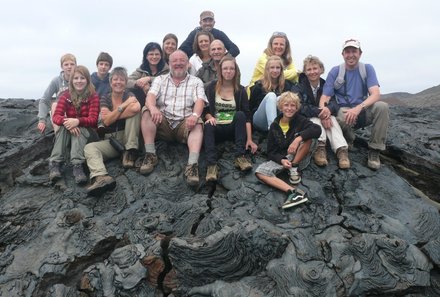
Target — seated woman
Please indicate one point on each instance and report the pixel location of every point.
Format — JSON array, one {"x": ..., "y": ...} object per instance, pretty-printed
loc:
[
  {"x": 201, "y": 43},
  {"x": 169, "y": 45},
  {"x": 288, "y": 143},
  {"x": 77, "y": 115},
  {"x": 278, "y": 45},
  {"x": 120, "y": 112},
  {"x": 265, "y": 93},
  {"x": 310, "y": 90},
  {"x": 227, "y": 116},
  {"x": 153, "y": 64}
]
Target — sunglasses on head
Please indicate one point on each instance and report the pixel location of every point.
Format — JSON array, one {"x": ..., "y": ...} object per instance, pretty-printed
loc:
[{"x": 276, "y": 33}]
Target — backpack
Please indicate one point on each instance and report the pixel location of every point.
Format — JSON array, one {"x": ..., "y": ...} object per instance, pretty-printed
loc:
[{"x": 340, "y": 80}]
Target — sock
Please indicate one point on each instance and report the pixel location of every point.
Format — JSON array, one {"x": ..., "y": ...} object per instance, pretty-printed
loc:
[
  {"x": 290, "y": 191},
  {"x": 294, "y": 168},
  {"x": 193, "y": 158},
  {"x": 150, "y": 148}
]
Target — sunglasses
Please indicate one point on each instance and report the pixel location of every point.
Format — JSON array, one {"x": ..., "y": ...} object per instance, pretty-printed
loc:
[{"x": 282, "y": 34}]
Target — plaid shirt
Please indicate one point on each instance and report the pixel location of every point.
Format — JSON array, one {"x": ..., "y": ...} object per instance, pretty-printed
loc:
[
  {"x": 176, "y": 102},
  {"x": 88, "y": 113}
]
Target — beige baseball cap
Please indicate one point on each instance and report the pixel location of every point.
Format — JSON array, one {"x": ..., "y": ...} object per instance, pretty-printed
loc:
[{"x": 206, "y": 14}]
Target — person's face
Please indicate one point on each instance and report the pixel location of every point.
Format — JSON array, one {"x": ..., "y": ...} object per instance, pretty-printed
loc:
[
  {"x": 207, "y": 24},
  {"x": 103, "y": 68},
  {"x": 67, "y": 67},
  {"x": 228, "y": 70},
  {"x": 153, "y": 57},
  {"x": 217, "y": 51},
  {"x": 118, "y": 83},
  {"x": 288, "y": 109},
  {"x": 313, "y": 72},
  {"x": 169, "y": 46},
  {"x": 79, "y": 82},
  {"x": 351, "y": 56},
  {"x": 178, "y": 64},
  {"x": 203, "y": 42},
  {"x": 278, "y": 46},
  {"x": 274, "y": 69}
]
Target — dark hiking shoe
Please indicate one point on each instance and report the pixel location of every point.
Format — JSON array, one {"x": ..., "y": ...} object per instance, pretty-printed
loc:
[
  {"x": 320, "y": 156},
  {"x": 54, "y": 171},
  {"x": 192, "y": 174},
  {"x": 294, "y": 197},
  {"x": 373, "y": 159},
  {"x": 101, "y": 184},
  {"x": 78, "y": 173},
  {"x": 148, "y": 164},
  {"x": 128, "y": 158},
  {"x": 243, "y": 163}
]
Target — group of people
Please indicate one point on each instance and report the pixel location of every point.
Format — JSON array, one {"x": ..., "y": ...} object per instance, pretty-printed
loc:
[{"x": 193, "y": 95}]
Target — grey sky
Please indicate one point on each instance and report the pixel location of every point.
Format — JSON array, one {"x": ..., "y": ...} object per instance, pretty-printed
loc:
[{"x": 400, "y": 39}]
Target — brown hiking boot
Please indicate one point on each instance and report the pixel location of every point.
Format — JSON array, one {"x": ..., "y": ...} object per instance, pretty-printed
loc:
[
  {"x": 373, "y": 159},
  {"x": 128, "y": 158},
  {"x": 344, "y": 161},
  {"x": 148, "y": 164},
  {"x": 320, "y": 155},
  {"x": 54, "y": 171},
  {"x": 101, "y": 184},
  {"x": 192, "y": 174},
  {"x": 243, "y": 163},
  {"x": 212, "y": 173}
]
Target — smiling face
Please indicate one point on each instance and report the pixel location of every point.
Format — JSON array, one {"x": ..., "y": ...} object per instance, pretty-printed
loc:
[
  {"x": 275, "y": 69},
  {"x": 203, "y": 43},
  {"x": 313, "y": 72},
  {"x": 178, "y": 64},
  {"x": 207, "y": 24},
  {"x": 153, "y": 57},
  {"x": 351, "y": 57},
  {"x": 217, "y": 50},
  {"x": 169, "y": 46},
  {"x": 278, "y": 46},
  {"x": 118, "y": 83},
  {"x": 289, "y": 108},
  {"x": 79, "y": 82}
]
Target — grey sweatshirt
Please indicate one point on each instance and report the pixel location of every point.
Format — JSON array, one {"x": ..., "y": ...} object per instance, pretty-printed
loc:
[{"x": 56, "y": 86}]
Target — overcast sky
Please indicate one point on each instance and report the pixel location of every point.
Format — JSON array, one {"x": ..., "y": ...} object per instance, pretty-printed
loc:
[{"x": 401, "y": 39}]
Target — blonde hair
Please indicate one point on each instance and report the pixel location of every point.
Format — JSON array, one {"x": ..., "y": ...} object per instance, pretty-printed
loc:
[
  {"x": 78, "y": 98},
  {"x": 288, "y": 97},
  {"x": 267, "y": 80},
  {"x": 67, "y": 57},
  {"x": 313, "y": 60}
]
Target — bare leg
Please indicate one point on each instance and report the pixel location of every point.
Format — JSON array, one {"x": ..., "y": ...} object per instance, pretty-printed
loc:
[
  {"x": 302, "y": 151},
  {"x": 275, "y": 182},
  {"x": 195, "y": 139},
  {"x": 148, "y": 128}
]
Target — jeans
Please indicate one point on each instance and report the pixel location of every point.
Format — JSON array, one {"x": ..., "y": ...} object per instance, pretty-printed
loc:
[{"x": 266, "y": 112}]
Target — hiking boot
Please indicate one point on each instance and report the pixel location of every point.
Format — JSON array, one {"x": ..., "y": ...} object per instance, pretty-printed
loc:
[
  {"x": 294, "y": 197},
  {"x": 243, "y": 163},
  {"x": 192, "y": 174},
  {"x": 373, "y": 159},
  {"x": 78, "y": 173},
  {"x": 320, "y": 155},
  {"x": 150, "y": 160},
  {"x": 295, "y": 177},
  {"x": 128, "y": 158},
  {"x": 344, "y": 161},
  {"x": 101, "y": 184},
  {"x": 54, "y": 171},
  {"x": 212, "y": 173}
]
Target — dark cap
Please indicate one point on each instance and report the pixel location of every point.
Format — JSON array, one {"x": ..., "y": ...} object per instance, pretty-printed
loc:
[{"x": 206, "y": 14}]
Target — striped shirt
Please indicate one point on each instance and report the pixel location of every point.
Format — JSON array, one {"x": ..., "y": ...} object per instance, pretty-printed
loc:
[{"x": 176, "y": 102}]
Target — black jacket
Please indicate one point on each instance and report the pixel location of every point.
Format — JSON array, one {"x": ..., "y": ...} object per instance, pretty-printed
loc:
[
  {"x": 277, "y": 143},
  {"x": 258, "y": 93},
  {"x": 310, "y": 105},
  {"x": 240, "y": 97}
]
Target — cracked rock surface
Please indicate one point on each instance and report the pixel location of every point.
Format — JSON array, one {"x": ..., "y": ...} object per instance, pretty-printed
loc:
[{"x": 362, "y": 233}]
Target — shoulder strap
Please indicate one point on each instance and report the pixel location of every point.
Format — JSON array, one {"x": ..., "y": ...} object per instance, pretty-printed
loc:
[{"x": 340, "y": 80}]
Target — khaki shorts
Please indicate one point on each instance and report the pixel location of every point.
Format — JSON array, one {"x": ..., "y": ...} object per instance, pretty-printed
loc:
[{"x": 167, "y": 133}]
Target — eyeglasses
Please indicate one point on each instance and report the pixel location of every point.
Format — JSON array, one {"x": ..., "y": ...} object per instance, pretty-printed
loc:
[{"x": 282, "y": 34}]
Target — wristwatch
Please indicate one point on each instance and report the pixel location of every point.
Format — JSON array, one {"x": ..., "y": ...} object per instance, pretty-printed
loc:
[
  {"x": 120, "y": 109},
  {"x": 195, "y": 114},
  {"x": 363, "y": 105}
]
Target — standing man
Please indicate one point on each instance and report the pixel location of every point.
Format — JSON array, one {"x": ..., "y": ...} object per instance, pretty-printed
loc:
[
  {"x": 357, "y": 92},
  {"x": 208, "y": 71},
  {"x": 207, "y": 23},
  {"x": 172, "y": 111}
]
